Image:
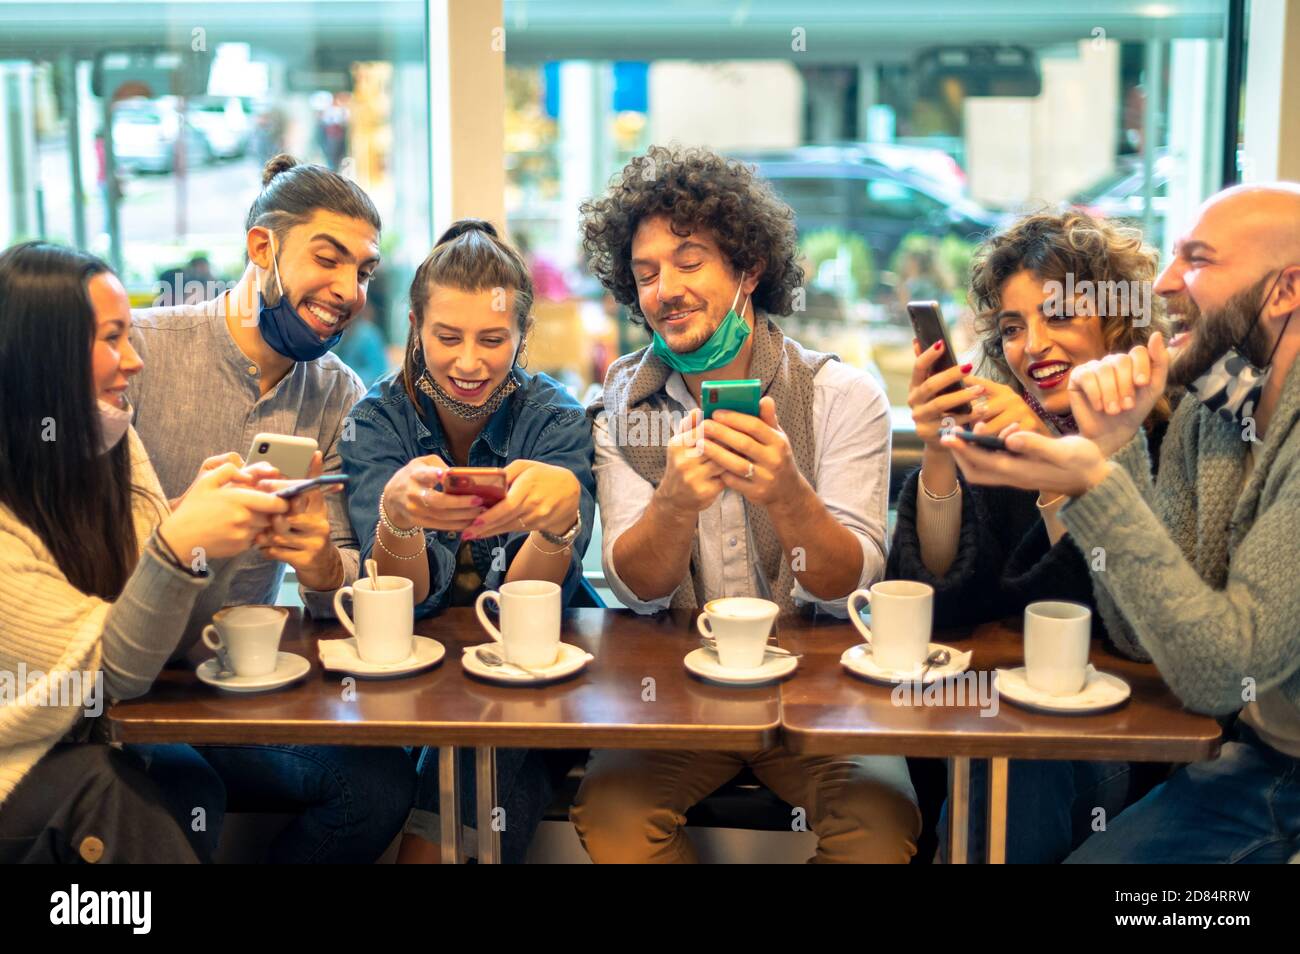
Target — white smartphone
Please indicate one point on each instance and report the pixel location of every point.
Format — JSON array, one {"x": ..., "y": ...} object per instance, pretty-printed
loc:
[{"x": 291, "y": 456}]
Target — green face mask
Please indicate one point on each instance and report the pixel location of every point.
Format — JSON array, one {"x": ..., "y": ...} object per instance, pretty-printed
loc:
[{"x": 719, "y": 351}]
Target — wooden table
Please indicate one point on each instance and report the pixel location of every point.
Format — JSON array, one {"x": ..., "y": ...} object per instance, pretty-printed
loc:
[
  {"x": 824, "y": 710},
  {"x": 635, "y": 694}
]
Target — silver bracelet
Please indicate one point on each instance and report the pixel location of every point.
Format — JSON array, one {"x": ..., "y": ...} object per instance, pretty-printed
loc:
[
  {"x": 388, "y": 524},
  {"x": 920, "y": 479}
]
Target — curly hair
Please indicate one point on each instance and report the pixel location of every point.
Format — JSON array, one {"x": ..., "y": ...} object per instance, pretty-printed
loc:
[
  {"x": 1052, "y": 245},
  {"x": 697, "y": 189}
]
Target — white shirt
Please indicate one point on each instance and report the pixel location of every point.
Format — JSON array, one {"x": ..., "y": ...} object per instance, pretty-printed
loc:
[{"x": 851, "y": 442}]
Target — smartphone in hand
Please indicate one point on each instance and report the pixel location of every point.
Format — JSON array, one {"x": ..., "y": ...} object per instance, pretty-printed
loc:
[
  {"x": 489, "y": 483},
  {"x": 927, "y": 324},
  {"x": 302, "y": 486},
  {"x": 290, "y": 455},
  {"x": 741, "y": 395},
  {"x": 987, "y": 441}
]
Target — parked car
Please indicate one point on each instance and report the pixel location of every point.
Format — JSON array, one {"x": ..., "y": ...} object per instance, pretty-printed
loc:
[
  {"x": 146, "y": 134},
  {"x": 224, "y": 124},
  {"x": 1121, "y": 194},
  {"x": 842, "y": 188}
]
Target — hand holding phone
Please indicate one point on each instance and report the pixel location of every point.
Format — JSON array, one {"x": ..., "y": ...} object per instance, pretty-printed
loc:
[{"x": 928, "y": 324}]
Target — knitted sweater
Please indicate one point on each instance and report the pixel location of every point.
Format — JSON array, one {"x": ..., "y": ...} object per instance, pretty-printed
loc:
[
  {"x": 1004, "y": 559},
  {"x": 50, "y": 630},
  {"x": 1202, "y": 573}
]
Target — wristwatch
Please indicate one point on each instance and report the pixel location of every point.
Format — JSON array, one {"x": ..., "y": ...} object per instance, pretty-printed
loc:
[{"x": 566, "y": 538}]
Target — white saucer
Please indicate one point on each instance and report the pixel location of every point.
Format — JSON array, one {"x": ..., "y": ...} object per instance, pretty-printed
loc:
[
  {"x": 290, "y": 668},
  {"x": 1100, "y": 692},
  {"x": 340, "y": 655},
  {"x": 570, "y": 660},
  {"x": 704, "y": 663},
  {"x": 859, "y": 661}
]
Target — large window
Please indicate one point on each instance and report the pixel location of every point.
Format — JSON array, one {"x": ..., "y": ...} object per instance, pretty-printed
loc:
[
  {"x": 900, "y": 134},
  {"x": 138, "y": 130}
]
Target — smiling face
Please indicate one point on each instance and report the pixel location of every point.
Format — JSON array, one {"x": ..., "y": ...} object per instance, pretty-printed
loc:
[
  {"x": 325, "y": 267},
  {"x": 1216, "y": 283},
  {"x": 469, "y": 340},
  {"x": 685, "y": 285},
  {"x": 113, "y": 360},
  {"x": 1042, "y": 350}
]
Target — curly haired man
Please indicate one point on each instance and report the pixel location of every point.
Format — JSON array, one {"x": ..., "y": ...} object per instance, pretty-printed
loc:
[{"x": 789, "y": 505}]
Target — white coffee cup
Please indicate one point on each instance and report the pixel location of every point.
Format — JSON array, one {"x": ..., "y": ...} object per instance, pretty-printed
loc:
[
  {"x": 247, "y": 638},
  {"x": 1058, "y": 636},
  {"x": 739, "y": 627},
  {"x": 902, "y": 613},
  {"x": 385, "y": 618},
  {"x": 530, "y": 621}
]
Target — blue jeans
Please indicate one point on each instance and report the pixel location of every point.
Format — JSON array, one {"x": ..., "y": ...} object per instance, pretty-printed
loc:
[
  {"x": 523, "y": 792},
  {"x": 1243, "y": 807},
  {"x": 188, "y": 783},
  {"x": 351, "y": 801},
  {"x": 1049, "y": 807}
]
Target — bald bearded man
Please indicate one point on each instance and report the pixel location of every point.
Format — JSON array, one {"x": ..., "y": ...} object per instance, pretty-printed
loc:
[{"x": 1202, "y": 567}]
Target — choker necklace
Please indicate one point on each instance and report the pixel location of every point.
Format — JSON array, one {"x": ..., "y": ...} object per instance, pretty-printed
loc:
[
  {"x": 462, "y": 409},
  {"x": 1062, "y": 423}
]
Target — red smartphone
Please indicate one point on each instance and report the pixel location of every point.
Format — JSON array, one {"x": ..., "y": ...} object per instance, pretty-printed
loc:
[
  {"x": 927, "y": 323},
  {"x": 486, "y": 482}
]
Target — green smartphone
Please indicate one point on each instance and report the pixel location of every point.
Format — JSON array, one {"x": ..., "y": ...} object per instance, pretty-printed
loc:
[{"x": 741, "y": 395}]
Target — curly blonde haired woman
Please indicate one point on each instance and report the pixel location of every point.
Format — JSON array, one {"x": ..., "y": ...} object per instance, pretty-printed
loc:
[{"x": 1051, "y": 292}]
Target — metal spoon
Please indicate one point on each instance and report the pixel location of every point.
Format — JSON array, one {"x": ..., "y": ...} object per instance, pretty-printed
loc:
[
  {"x": 225, "y": 669},
  {"x": 770, "y": 650},
  {"x": 488, "y": 658},
  {"x": 940, "y": 657}
]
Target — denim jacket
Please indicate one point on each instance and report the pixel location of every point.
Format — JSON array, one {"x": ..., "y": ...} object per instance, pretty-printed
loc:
[{"x": 540, "y": 421}]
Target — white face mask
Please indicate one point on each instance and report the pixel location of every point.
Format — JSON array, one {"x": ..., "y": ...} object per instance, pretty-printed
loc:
[{"x": 113, "y": 422}]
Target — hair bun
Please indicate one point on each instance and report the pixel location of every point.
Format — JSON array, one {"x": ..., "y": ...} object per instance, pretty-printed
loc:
[
  {"x": 461, "y": 226},
  {"x": 276, "y": 165}
]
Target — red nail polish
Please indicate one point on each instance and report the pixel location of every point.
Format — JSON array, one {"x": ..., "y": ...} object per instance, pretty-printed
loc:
[
  {"x": 938, "y": 345},
  {"x": 965, "y": 368}
]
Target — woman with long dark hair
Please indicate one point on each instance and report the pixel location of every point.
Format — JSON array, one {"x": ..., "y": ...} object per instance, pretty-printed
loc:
[{"x": 99, "y": 578}]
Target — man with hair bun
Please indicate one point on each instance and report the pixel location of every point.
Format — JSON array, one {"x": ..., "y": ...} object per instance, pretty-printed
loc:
[{"x": 257, "y": 359}]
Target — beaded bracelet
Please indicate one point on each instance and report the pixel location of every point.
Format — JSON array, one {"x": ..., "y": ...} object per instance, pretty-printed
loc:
[{"x": 397, "y": 556}]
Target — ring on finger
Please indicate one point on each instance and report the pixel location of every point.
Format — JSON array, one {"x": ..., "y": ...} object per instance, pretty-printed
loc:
[{"x": 749, "y": 474}]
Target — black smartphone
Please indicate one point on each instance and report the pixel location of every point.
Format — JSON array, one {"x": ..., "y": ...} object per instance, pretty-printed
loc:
[
  {"x": 987, "y": 441},
  {"x": 927, "y": 324},
  {"x": 302, "y": 486}
]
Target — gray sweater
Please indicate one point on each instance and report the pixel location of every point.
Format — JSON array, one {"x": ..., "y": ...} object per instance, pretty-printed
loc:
[{"x": 1202, "y": 572}]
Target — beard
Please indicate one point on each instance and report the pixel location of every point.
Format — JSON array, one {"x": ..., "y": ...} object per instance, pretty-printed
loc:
[
  {"x": 1215, "y": 333},
  {"x": 690, "y": 339}
]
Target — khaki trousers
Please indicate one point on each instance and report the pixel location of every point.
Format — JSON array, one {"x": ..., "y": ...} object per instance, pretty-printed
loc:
[{"x": 632, "y": 805}]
